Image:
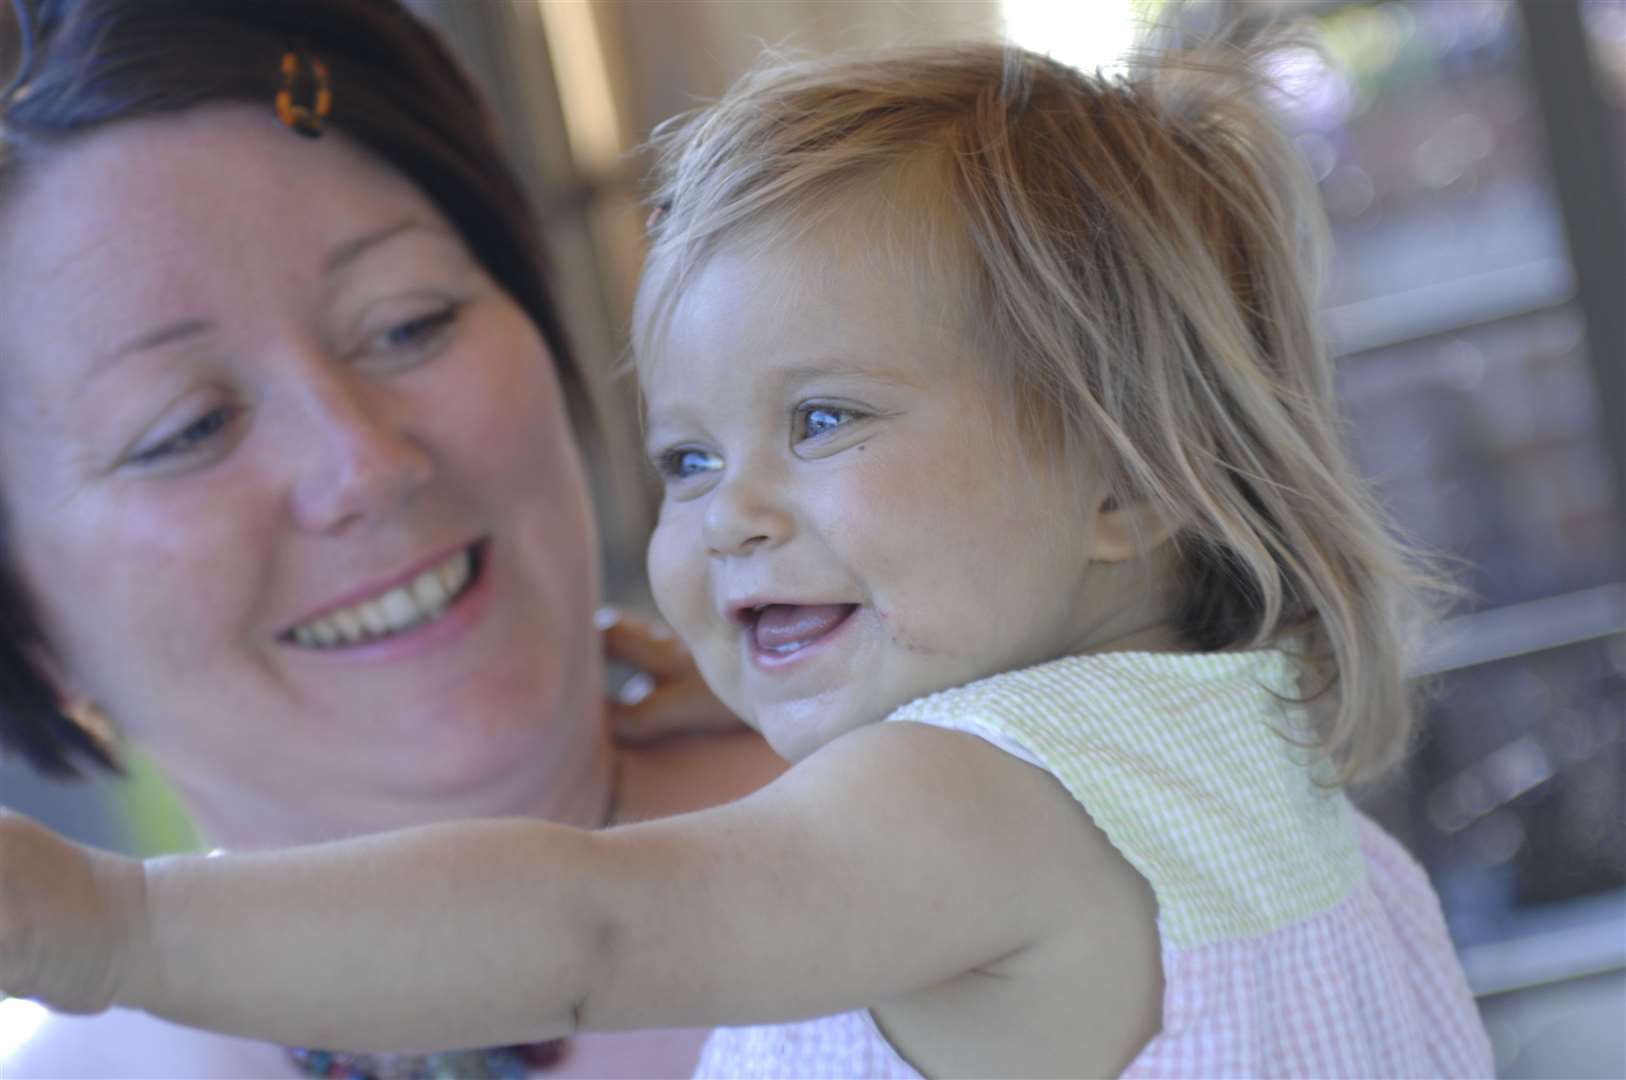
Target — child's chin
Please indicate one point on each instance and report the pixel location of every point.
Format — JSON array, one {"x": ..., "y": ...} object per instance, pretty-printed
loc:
[
  {"x": 789, "y": 739},
  {"x": 788, "y": 745},
  {"x": 795, "y": 733}
]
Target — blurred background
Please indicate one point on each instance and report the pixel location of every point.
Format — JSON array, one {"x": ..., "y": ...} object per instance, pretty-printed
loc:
[{"x": 1472, "y": 157}]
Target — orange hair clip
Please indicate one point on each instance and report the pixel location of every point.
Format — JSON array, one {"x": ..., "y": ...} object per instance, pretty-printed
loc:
[{"x": 301, "y": 71}]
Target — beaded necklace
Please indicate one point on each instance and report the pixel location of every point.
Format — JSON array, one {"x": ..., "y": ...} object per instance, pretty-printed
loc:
[
  {"x": 487, "y": 1063},
  {"x": 490, "y": 1063}
]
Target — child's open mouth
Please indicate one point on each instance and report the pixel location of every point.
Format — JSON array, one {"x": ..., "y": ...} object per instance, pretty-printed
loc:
[{"x": 780, "y": 631}]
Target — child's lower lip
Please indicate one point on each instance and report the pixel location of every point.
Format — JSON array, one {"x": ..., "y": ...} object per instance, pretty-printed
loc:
[{"x": 780, "y": 659}]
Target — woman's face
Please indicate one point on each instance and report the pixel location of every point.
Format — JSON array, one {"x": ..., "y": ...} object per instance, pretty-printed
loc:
[{"x": 289, "y": 477}]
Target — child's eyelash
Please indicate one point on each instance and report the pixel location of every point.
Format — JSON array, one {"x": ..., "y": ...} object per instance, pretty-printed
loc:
[
  {"x": 683, "y": 462},
  {"x": 809, "y": 426}
]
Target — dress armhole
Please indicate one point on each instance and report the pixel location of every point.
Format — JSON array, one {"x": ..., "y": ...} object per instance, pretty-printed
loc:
[{"x": 972, "y": 726}]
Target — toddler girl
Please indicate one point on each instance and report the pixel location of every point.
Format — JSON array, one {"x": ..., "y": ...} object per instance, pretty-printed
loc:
[{"x": 988, "y": 401}]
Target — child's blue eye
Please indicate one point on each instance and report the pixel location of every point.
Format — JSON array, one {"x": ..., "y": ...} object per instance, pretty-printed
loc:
[
  {"x": 686, "y": 462},
  {"x": 816, "y": 420}
]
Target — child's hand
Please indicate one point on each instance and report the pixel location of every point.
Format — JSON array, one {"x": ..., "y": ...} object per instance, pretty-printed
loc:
[
  {"x": 69, "y": 918},
  {"x": 666, "y": 695}
]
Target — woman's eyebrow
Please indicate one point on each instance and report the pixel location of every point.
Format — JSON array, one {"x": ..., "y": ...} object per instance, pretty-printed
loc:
[
  {"x": 164, "y": 335},
  {"x": 169, "y": 333},
  {"x": 341, "y": 256},
  {"x": 348, "y": 252}
]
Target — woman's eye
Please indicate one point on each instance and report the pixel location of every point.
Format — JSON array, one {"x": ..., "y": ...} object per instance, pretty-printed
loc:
[
  {"x": 815, "y": 420},
  {"x": 419, "y": 333},
  {"x": 189, "y": 439},
  {"x": 687, "y": 462}
]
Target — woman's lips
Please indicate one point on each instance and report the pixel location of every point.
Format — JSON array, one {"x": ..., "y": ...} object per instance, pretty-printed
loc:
[
  {"x": 395, "y": 615},
  {"x": 780, "y": 632}
]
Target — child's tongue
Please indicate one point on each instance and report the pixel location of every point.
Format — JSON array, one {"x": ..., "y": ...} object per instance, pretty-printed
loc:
[{"x": 780, "y": 627}]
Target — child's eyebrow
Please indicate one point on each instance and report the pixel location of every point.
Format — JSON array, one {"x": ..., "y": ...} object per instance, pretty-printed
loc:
[
  {"x": 795, "y": 375},
  {"x": 786, "y": 380}
]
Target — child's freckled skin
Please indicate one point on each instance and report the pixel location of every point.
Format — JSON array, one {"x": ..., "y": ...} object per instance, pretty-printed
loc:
[{"x": 963, "y": 556}]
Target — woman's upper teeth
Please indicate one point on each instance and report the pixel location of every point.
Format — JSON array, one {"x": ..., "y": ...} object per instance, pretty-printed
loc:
[{"x": 406, "y": 605}]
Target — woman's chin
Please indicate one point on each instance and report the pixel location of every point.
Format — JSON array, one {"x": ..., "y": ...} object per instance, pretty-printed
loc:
[{"x": 493, "y": 760}]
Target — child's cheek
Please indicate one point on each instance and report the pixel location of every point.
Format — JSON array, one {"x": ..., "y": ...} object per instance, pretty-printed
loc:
[
  {"x": 681, "y": 586},
  {"x": 665, "y": 563}
]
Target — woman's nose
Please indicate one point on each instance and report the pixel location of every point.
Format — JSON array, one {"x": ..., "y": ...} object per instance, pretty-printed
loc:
[
  {"x": 360, "y": 459},
  {"x": 745, "y": 513}
]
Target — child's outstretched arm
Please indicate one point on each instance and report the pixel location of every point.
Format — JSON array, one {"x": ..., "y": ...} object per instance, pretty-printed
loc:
[{"x": 894, "y": 858}]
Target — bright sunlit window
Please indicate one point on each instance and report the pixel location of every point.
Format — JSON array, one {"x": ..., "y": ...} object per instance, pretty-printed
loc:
[
  {"x": 18, "y": 1020},
  {"x": 586, "y": 94},
  {"x": 1086, "y": 34}
]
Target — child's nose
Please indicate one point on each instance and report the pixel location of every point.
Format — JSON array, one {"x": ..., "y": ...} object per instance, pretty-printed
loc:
[{"x": 743, "y": 515}]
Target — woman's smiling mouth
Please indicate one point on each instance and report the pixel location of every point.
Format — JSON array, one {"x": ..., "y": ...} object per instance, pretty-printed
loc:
[{"x": 419, "y": 600}]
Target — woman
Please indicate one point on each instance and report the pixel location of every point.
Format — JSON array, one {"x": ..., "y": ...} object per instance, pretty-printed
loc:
[{"x": 290, "y": 487}]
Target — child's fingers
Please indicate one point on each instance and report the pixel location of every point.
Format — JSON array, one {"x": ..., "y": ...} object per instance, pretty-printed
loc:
[
  {"x": 641, "y": 643},
  {"x": 665, "y": 695},
  {"x": 645, "y": 709}
]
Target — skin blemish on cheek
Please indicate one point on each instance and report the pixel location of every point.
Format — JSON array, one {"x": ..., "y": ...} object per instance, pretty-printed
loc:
[{"x": 896, "y": 638}]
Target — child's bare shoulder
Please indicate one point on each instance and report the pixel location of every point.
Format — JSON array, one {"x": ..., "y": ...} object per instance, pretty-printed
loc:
[{"x": 1085, "y": 994}]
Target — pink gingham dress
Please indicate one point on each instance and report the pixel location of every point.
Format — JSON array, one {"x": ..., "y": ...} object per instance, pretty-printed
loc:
[{"x": 1298, "y": 938}]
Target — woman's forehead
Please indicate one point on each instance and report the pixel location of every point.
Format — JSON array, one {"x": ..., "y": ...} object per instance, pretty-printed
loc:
[
  {"x": 186, "y": 174},
  {"x": 149, "y": 219}
]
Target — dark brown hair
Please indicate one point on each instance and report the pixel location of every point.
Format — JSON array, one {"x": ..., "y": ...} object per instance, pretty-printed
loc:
[{"x": 86, "y": 64}]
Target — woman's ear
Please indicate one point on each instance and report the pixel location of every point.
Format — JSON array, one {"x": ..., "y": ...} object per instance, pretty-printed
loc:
[
  {"x": 78, "y": 709},
  {"x": 42, "y": 660},
  {"x": 1128, "y": 530},
  {"x": 69, "y": 700}
]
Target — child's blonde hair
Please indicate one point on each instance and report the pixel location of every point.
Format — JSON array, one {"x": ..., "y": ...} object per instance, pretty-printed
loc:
[{"x": 1142, "y": 256}]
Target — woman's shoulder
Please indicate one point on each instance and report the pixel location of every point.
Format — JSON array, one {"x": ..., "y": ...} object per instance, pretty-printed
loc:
[{"x": 125, "y": 1044}]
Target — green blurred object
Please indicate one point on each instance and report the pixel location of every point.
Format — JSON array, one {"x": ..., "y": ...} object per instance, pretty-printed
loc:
[{"x": 154, "y": 817}]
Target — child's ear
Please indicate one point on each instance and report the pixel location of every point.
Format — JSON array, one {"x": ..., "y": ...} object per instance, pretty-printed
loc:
[{"x": 1127, "y": 530}]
